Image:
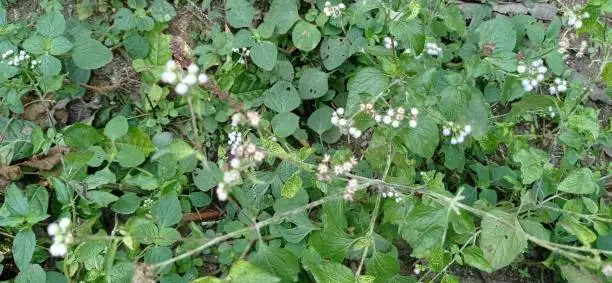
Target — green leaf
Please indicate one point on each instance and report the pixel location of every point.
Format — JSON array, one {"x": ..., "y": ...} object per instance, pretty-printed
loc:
[
  {"x": 535, "y": 32},
  {"x": 334, "y": 51},
  {"x": 292, "y": 186},
  {"x": 49, "y": 65},
  {"x": 382, "y": 266},
  {"x": 129, "y": 156},
  {"x": 502, "y": 238},
  {"x": 51, "y": 24},
  {"x": 332, "y": 272},
  {"x": 137, "y": 4},
  {"x": 279, "y": 262},
  {"x": 90, "y": 54},
  {"x": 535, "y": 229},
  {"x": 533, "y": 163},
  {"x": 282, "y": 14},
  {"x": 167, "y": 211},
  {"x": 137, "y": 138},
  {"x": 208, "y": 177},
  {"x": 454, "y": 20},
  {"x": 284, "y": 124},
  {"x": 239, "y": 13},
  {"x": 499, "y": 32},
  {"x": 529, "y": 103},
  {"x": 580, "y": 181},
  {"x": 126, "y": 204},
  {"x": 583, "y": 233},
  {"x": 606, "y": 75},
  {"x": 123, "y": 19},
  {"x": 282, "y": 97},
  {"x": 60, "y": 45},
  {"x": 305, "y": 36},
  {"x": 313, "y": 83},
  {"x": 422, "y": 140},
  {"x": 245, "y": 272},
  {"x": 474, "y": 257},
  {"x": 102, "y": 177},
  {"x": 32, "y": 274},
  {"x": 102, "y": 199},
  {"x": 320, "y": 120},
  {"x": 23, "y": 248},
  {"x": 579, "y": 274},
  {"x": 162, "y": 11},
  {"x": 424, "y": 228},
  {"x": 37, "y": 44},
  {"x": 116, "y": 128},
  {"x": 15, "y": 201},
  {"x": 368, "y": 80},
  {"x": 264, "y": 55},
  {"x": 136, "y": 46}
]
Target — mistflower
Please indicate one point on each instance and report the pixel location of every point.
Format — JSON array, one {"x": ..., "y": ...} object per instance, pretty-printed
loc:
[
  {"x": 551, "y": 112},
  {"x": 181, "y": 89},
  {"x": 351, "y": 187},
  {"x": 390, "y": 43},
  {"x": 433, "y": 49},
  {"x": 231, "y": 176},
  {"x": 253, "y": 118},
  {"x": 457, "y": 133},
  {"x": 174, "y": 75},
  {"x": 606, "y": 269},
  {"x": 17, "y": 58},
  {"x": 193, "y": 69},
  {"x": 333, "y": 11},
  {"x": 344, "y": 124},
  {"x": 558, "y": 87},
  {"x": 203, "y": 78},
  {"x": 417, "y": 269},
  {"x": 221, "y": 192},
  {"x": 235, "y": 163},
  {"x": 62, "y": 237},
  {"x": 392, "y": 194},
  {"x": 323, "y": 169},
  {"x": 575, "y": 21},
  {"x": 531, "y": 74}
]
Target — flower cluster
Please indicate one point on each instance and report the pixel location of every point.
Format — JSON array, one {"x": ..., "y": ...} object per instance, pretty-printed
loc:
[
  {"x": 323, "y": 169},
  {"x": 532, "y": 74},
  {"x": 392, "y": 194},
  {"x": 174, "y": 75},
  {"x": 351, "y": 187},
  {"x": 244, "y": 53},
  {"x": 333, "y": 11},
  {"x": 393, "y": 117},
  {"x": 247, "y": 151},
  {"x": 433, "y": 49},
  {"x": 390, "y": 42},
  {"x": 574, "y": 21},
  {"x": 16, "y": 59},
  {"x": 229, "y": 177},
  {"x": 559, "y": 87},
  {"x": 345, "y": 125},
  {"x": 62, "y": 237},
  {"x": 456, "y": 132}
]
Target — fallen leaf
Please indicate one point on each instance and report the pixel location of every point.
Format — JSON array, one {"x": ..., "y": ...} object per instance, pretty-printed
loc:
[{"x": 47, "y": 161}]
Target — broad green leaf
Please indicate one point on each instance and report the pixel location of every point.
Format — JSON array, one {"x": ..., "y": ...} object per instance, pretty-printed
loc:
[
  {"x": 535, "y": 229},
  {"x": 499, "y": 32},
  {"x": 245, "y": 272},
  {"x": 15, "y": 201},
  {"x": 502, "y": 239},
  {"x": 49, "y": 65},
  {"x": 126, "y": 204},
  {"x": 60, "y": 45},
  {"x": 123, "y": 19},
  {"x": 577, "y": 274},
  {"x": 278, "y": 261},
  {"x": 533, "y": 163},
  {"x": 101, "y": 198},
  {"x": 368, "y": 80},
  {"x": 208, "y": 177},
  {"x": 583, "y": 233},
  {"x": 137, "y": 138},
  {"x": 282, "y": 97},
  {"x": 129, "y": 156},
  {"x": 474, "y": 257},
  {"x": 37, "y": 44},
  {"x": 32, "y": 274},
  {"x": 529, "y": 103},
  {"x": 143, "y": 181},
  {"x": 239, "y": 13},
  {"x": 136, "y": 46},
  {"x": 320, "y": 120},
  {"x": 116, "y": 128},
  {"x": 422, "y": 140},
  {"x": 284, "y": 124},
  {"x": 88, "y": 250},
  {"x": 162, "y": 11},
  {"x": 305, "y": 36},
  {"x": 424, "y": 228},
  {"x": 334, "y": 51},
  {"x": 282, "y": 14},
  {"x": 313, "y": 83},
  {"x": 292, "y": 186},
  {"x": 580, "y": 181},
  {"x": 167, "y": 211},
  {"x": 23, "y": 248},
  {"x": 137, "y": 4},
  {"x": 90, "y": 54},
  {"x": 332, "y": 272},
  {"x": 454, "y": 20},
  {"x": 102, "y": 177},
  {"x": 51, "y": 24},
  {"x": 382, "y": 266},
  {"x": 264, "y": 55}
]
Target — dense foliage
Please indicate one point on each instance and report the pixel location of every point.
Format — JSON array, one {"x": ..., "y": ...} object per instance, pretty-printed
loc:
[{"x": 301, "y": 141}]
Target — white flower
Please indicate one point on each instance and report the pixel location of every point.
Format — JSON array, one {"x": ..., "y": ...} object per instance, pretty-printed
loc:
[
  {"x": 340, "y": 111},
  {"x": 540, "y": 77},
  {"x": 607, "y": 269},
  {"x": 542, "y": 69},
  {"x": 446, "y": 132},
  {"x": 412, "y": 123},
  {"x": 537, "y": 63},
  {"x": 259, "y": 156},
  {"x": 534, "y": 83},
  {"x": 231, "y": 176},
  {"x": 453, "y": 141},
  {"x": 327, "y": 3},
  {"x": 395, "y": 124},
  {"x": 557, "y": 81},
  {"x": 253, "y": 118},
  {"x": 235, "y": 163},
  {"x": 342, "y": 6},
  {"x": 357, "y": 134},
  {"x": 58, "y": 250},
  {"x": 170, "y": 65},
  {"x": 342, "y": 122},
  {"x": 578, "y": 24},
  {"x": 181, "y": 89},
  {"x": 387, "y": 120},
  {"x": 64, "y": 223},
  {"x": 241, "y": 61},
  {"x": 190, "y": 79},
  {"x": 377, "y": 118},
  {"x": 468, "y": 129},
  {"x": 460, "y": 139},
  {"x": 414, "y": 111},
  {"x": 521, "y": 69},
  {"x": 166, "y": 77},
  {"x": 53, "y": 229},
  {"x": 552, "y": 90},
  {"x": 203, "y": 78},
  {"x": 221, "y": 193},
  {"x": 334, "y": 120},
  {"x": 193, "y": 69},
  {"x": 327, "y": 11},
  {"x": 562, "y": 88}
]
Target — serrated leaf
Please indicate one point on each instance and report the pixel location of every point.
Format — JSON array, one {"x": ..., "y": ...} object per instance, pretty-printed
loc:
[
  {"x": 60, "y": 45},
  {"x": 313, "y": 83},
  {"x": 579, "y": 181},
  {"x": 282, "y": 97},
  {"x": 292, "y": 186},
  {"x": 239, "y": 13},
  {"x": 334, "y": 51},
  {"x": 424, "y": 228},
  {"x": 116, "y": 128},
  {"x": 284, "y": 124},
  {"x": 320, "y": 120},
  {"x": 279, "y": 262},
  {"x": 23, "y": 248},
  {"x": 49, "y": 65},
  {"x": 305, "y": 36},
  {"x": 422, "y": 140},
  {"x": 502, "y": 238},
  {"x": 33, "y": 273},
  {"x": 264, "y": 55},
  {"x": 245, "y": 272},
  {"x": 90, "y": 54},
  {"x": 207, "y": 177},
  {"x": 167, "y": 211},
  {"x": 382, "y": 266},
  {"x": 282, "y": 14},
  {"x": 162, "y": 11},
  {"x": 51, "y": 24},
  {"x": 368, "y": 80},
  {"x": 129, "y": 156},
  {"x": 474, "y": 257}
]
